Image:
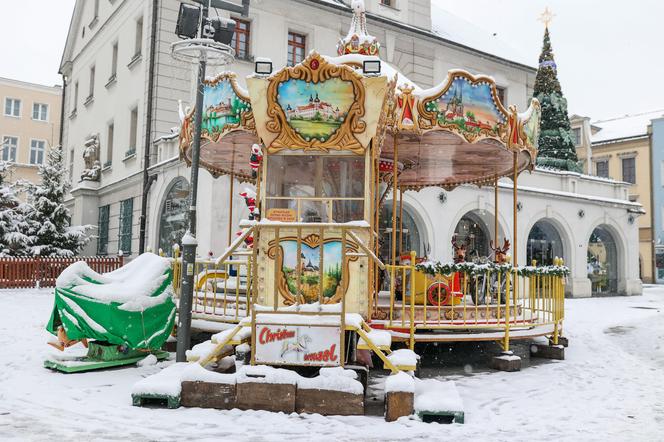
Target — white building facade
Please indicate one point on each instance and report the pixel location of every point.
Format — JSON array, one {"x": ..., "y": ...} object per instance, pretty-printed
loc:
[{"x": 130, "y": 106}]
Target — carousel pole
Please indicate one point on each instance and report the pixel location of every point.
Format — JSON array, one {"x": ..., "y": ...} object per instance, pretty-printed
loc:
[
  {"x": 189, "y": 246},
  {"x": 514, "y": 210},
  {"x": 230, "y": 210},
  {"x": 495, "y": 209},
  {"x": 394, "y": 203},
  {"x": 401, "y": 222}
]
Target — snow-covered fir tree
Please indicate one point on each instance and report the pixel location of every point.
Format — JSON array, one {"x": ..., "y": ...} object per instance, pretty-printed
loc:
[
  {"x": 47, "y": 217},
  {"x": 13, "y": 242},
  {"x": 556, "y": 142}
]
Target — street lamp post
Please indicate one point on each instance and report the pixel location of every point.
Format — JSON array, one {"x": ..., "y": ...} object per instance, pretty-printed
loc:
[
  {"x": 212, "y": 47},
  {"x": 189, "y": 245}
]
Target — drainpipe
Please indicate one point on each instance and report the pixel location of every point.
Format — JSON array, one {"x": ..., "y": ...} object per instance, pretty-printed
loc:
[
  {"x": 147, "y": 182},
  {"x": 653, "y": 242},
  {"x": 62, "y": 109}
]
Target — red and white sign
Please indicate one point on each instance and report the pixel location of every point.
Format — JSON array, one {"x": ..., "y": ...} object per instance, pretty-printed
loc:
[{"x": 302, "y": 345}]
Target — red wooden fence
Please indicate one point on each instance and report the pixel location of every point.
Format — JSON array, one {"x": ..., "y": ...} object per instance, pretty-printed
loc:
[{"x": 42, "y": 272}]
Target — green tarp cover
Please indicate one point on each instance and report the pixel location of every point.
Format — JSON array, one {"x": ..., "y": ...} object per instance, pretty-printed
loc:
[{"x": 132, "y": 305}]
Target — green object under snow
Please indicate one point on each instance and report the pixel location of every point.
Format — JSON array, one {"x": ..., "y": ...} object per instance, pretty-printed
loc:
[{"x": 131, "y": 306}]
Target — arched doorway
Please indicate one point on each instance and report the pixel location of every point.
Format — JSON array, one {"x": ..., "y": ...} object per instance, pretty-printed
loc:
[
  {"x": 473, "y": 231},
  {"x": 544, "y": 243},
  {"x": 603, "y": 262},
  {"x": 413, "y": 236},
  {"x": 173, "y": 217}
]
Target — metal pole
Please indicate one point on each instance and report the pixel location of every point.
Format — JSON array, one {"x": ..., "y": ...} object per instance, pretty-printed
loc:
[
  {"x": 189, "y": 247},
  {"x": 495, "y": 208},
  {"x": 230, "y": 210}
]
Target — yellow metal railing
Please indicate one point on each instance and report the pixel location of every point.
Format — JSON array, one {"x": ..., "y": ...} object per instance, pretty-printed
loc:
[
  {"x": 502, "y": 301},
  {"x": 222, "y": 287}
]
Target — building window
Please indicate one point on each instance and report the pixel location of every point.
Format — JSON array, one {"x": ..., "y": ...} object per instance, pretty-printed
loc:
[
  {"x": 502, "y": 93},
  {"x": 124, "y": 235},
  {"x": 37, "y": 148},
  {"x": 102, "y": 240},
  {"x": 91, "y": 91},
  {"x": 96, "y": 11},
  {"x": 73, "y": 108},
  {"x": 138, "y": 42},
  {"x": 240, "y": 40},
  {"x": 602, "y": 168},
  {"x": 109, "y": 145},
  {"x": 114, "y": 61},
  {"x": 39, "y": 111},
  {"x": 133, "y": 132},
  {"x": 387, "y": 2},
  {"x": 12, "y": 107},
  {"x": 296, "y": 45},
  {"x": 576, "y": 136},
  {"x": 629, "y": 170},
  {"x": 9, "y": 147},
  {"x": 71, "y": 165}
]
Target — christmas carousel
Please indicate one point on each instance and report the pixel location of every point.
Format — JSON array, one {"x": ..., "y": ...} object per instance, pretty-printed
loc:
[{"x": 319, "y": 148}]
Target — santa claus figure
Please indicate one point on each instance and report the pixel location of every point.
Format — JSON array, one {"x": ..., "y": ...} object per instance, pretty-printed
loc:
[
  {"x": 250, "y": 200},
  {"x": 255, "y": 160}
]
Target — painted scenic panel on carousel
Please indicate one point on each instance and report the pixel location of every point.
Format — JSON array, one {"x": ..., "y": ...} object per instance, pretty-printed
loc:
[
  {"x": 310, "y": 268},
  {"x": 531, "y": 126},
  {"x": 468, "y": 106},
  {"x": 222, "y": 107},
  {"x": 315, "y": 110}
]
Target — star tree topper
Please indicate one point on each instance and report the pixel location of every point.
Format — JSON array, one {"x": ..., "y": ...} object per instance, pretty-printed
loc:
[{"x": 546, "y": 17}]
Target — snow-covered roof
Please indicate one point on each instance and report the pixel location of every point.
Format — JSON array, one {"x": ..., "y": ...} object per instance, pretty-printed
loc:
[
  {"x": 458, "y": 30},
  {"x": 627, "y": 126}
]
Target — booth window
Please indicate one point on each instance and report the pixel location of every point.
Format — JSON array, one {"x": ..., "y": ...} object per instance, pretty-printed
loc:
[{"x": 317, "y": 188}]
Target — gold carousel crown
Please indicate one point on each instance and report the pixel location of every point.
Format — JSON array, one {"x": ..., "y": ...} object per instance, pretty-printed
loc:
[{"x": 358, "y": 40}]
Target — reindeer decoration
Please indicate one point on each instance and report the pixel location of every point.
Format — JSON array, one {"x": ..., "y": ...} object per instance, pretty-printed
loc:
[
  {"x": 500, "y": 253},
  {"x": 459, "y": 250}
]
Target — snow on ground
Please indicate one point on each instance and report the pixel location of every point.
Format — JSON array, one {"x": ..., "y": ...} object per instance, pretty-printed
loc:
[{"x": 609, "y": 388}]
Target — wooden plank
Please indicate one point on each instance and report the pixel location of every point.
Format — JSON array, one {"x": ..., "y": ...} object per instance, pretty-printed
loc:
[
  {"x": 208, "y": 395},
  {"x": 269, "y": 397},
  {"x": 329, "y": 402}
]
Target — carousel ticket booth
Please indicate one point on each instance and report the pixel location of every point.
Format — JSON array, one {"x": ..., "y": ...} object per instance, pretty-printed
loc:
[{"x": 320, "y": 146}]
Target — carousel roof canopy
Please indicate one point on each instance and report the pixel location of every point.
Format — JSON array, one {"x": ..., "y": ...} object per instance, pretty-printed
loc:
[{"x": 456, "y": 132}]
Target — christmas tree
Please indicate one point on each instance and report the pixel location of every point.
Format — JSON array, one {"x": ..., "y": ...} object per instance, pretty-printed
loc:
[
  {"x": 47, "y": 217},
  {"x": 556, "y": 142},
  {"x": 12, "y": 223}
]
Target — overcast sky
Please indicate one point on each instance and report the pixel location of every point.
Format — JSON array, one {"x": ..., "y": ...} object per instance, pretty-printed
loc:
[{"x": 607, "y": 51}]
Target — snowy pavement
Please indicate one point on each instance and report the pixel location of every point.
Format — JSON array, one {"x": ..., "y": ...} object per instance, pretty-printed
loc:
[{"x": 610, "y": 387}]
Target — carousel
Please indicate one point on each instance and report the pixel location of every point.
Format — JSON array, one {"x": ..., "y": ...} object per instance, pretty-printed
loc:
[{"x": 316, "y": 150}]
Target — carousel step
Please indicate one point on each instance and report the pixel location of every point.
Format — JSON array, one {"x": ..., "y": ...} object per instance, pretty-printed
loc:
[
  {"x": 404, "y": 359},
  {"x": 380, "y": 338}
]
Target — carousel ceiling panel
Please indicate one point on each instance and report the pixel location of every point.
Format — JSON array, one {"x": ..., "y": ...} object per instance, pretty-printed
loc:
[
  {"x": 440, "y": 158},
  {"x": 229, "y": 155}
]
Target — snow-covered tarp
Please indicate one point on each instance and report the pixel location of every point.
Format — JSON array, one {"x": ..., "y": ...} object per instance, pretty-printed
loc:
[{"x": 130, "y": 306}]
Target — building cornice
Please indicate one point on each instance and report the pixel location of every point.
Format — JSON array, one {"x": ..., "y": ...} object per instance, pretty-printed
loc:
[
  {"x": 620, "y": 140},
  {"x": 55, "y": 90}
]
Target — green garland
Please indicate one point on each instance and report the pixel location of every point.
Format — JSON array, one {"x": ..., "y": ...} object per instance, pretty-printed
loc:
[{"x": 438, "y": 268}]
